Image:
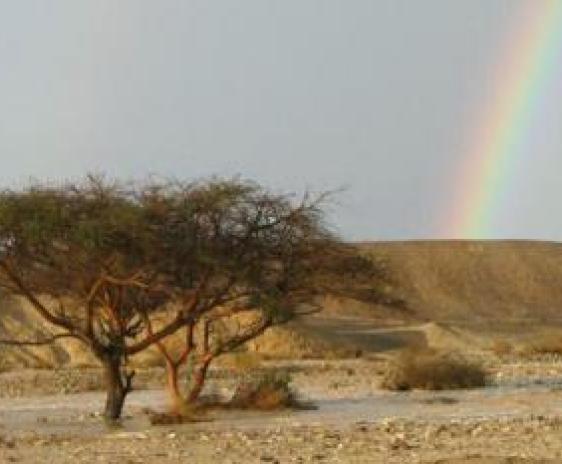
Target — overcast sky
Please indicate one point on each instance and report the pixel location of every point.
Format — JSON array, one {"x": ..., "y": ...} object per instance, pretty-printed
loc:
[{"x": 378, "y": 96}]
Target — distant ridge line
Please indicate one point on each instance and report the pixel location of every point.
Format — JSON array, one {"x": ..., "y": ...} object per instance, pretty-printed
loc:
[{"x": 510, "y": 241}]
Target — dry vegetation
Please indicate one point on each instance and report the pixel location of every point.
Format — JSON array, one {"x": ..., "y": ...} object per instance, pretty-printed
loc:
[
  {"x": 432, "y": 370},
  {"x": 265, "y": 391},
  {"x": 546, "y": 342}
]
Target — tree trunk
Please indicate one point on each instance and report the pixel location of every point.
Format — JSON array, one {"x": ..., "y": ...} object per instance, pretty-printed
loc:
[
  {"x": 199, "y": 378},
  {"x": 117, "y": 386},
  {"x": 177, "y": 402}
]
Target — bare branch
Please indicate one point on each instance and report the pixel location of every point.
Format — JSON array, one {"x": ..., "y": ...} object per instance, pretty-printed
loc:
[{"x": 39, "y": 307}]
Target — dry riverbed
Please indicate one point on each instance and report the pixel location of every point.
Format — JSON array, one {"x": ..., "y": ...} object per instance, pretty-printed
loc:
[{"x": 51, "y": 416}]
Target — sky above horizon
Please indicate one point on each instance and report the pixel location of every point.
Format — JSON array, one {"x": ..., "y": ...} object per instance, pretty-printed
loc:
[{"x": 379, "y": 97}]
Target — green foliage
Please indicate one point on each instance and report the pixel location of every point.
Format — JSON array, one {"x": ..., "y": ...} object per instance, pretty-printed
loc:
[
  {"x": 129, "y": 249},
  {"x": 61, "y": 237}
]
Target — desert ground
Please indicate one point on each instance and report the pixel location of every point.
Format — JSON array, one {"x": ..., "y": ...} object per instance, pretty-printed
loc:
[{"x": 494, "y": 304}]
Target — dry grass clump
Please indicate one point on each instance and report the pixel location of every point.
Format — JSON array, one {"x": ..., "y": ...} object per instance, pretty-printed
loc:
[
  {"x": 266, "y": 391},
  {"x": 548, "y": 342},
  {"x": 432, "y": 370}
]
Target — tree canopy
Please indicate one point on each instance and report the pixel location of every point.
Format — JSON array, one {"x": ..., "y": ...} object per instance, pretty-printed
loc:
[{"x": 114, "y": 256}]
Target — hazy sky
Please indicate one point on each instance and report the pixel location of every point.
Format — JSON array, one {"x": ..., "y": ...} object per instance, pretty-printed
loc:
[{"x": 378, "y": 96}]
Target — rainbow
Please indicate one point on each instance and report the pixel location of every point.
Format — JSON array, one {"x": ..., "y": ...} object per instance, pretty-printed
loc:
[{"x": 524, "y": 72}]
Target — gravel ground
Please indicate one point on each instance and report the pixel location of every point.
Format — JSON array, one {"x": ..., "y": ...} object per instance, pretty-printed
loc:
[
  {"x": 390, "y": 441},
  {"x": 50, "y": 416}
]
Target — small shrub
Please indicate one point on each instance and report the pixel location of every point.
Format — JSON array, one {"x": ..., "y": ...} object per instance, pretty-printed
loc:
[
  {"x": 431, "y": 370},
  {"x": 267, "y": 391}
]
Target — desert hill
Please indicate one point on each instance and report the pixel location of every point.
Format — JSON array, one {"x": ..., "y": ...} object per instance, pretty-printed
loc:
[{"x": 474, "y": 280}]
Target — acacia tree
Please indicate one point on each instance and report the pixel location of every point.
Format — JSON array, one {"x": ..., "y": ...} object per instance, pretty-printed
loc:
[
  {"x": 89, "y": 248},
  {"x": 264, "y": 259},
  {"x": 129, "y": 266}
]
